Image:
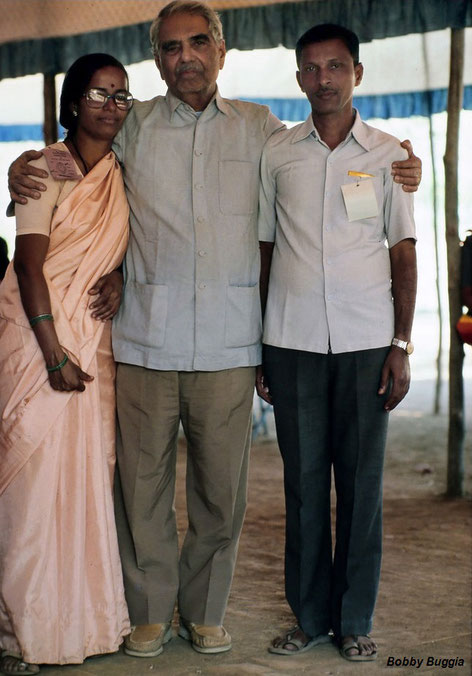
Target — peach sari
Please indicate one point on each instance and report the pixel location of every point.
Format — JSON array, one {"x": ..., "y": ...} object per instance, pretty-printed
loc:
[{"x": 61, "y": 589}]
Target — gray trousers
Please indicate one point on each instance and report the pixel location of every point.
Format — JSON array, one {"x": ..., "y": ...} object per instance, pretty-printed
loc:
[
  {"x": 328, "y": 414},
  {"x": 215, "y": 410}
]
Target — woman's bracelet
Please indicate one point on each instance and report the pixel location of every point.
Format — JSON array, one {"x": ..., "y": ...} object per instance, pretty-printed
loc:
[
  {"x": 58, "y": 366},
  {"x": 41, "y": 318}
]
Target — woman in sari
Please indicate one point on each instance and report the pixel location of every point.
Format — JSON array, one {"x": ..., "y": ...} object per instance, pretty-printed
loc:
[{"x": 61, "y": 589}]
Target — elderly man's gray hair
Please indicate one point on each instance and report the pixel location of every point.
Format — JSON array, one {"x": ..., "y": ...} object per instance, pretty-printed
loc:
[{"x": 188, "y": 7}]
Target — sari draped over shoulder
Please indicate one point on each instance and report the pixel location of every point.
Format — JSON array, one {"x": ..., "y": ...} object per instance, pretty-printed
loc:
[
  {"x": 89, "y": 234},
  {"x": 61, "y": 587}
]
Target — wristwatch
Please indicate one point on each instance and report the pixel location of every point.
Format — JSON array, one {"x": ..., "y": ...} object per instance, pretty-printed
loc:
[{"x": 404, "y": 345}]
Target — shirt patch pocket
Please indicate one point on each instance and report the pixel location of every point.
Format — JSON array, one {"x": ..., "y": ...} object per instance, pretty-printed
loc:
[
  {"x": 360, "y": 200},
  {"x": 238, "y": 187},
  {"x": 143, "y": 314},
  {"x": 371, "y": 227},
  {"x": 243, "y": 316}
]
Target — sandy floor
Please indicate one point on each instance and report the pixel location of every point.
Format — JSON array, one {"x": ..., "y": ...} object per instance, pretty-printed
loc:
[{"x": 424, "y": 605}]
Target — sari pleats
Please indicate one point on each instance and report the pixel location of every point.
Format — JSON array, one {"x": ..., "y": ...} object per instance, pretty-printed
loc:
[{"x": 61, "y": 590}]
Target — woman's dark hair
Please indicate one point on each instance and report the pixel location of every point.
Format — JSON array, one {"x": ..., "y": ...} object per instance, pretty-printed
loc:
[
  {"x": 3, "y": 258},
  {"x": 76, "y": 82}
]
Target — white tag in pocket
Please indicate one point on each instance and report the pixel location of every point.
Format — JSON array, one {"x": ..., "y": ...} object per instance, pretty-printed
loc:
[{"x": 360, "y": 200}]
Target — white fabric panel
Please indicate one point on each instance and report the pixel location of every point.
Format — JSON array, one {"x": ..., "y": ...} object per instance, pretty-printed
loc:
[{"x": 402, "y": 64}]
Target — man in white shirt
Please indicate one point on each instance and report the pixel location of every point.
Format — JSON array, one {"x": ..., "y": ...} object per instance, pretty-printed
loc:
[
  {"x": 187, "y": 337},
  {"x": 337, "y": 328}
]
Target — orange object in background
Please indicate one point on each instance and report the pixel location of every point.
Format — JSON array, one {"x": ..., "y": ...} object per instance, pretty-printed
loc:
[{"x": 464, "y": 328}]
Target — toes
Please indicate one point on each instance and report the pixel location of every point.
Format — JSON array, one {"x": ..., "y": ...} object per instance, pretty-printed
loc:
[
  {"x": 292, "y": 641},
  {"x": 291, "y": 647},
  {"x": 353, "y": 651},
  {"x": 366, "y": 645},
  {"x": 284, "y": 642}
]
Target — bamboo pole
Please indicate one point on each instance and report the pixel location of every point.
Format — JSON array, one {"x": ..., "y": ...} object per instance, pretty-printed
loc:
[
  {"x": 439, "y": 382},
  {"x": 438, "y": 385},
  {"x": 456, "y": 433},
  {"x": 50, "y": 121}
]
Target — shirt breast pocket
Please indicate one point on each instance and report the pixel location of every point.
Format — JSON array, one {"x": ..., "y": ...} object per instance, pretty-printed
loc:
[
  {"x": 367, "y": 213},
  {"x": 238, "y": 187}
]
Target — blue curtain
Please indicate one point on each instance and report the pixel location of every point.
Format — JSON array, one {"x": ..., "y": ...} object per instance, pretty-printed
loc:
[{"x": 247, "y": 28}]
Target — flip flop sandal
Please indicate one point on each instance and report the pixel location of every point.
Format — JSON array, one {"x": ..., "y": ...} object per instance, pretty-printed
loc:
[
  {"x": 19, "y": 668},
  {"x": 344, "y": 652},
  {"x": 299, "y": 646}
]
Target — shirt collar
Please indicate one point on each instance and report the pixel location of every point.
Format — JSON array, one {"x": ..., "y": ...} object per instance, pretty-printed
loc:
[
  {"x": 358, "y": 131},
  {"x": 304, "y": 130},
  {"x": 221, "y": 104},
  {"x": 216, "y": 101}
]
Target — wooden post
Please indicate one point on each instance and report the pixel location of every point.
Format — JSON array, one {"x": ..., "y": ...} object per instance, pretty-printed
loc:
[
  {"x": 455, "y": 449},
  {"x": 438, "y": 386},
  {"x": 50, "y": 121},
  {"x": 439, "y": 382}
]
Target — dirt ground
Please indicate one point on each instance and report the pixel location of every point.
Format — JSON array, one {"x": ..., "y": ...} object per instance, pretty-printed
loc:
[{"x": 424, "y": 605}]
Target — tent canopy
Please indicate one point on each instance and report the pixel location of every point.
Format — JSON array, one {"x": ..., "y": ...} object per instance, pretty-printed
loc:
[
  {"x": 45, "y": 36},
  {"x": 405, "y": 50}
]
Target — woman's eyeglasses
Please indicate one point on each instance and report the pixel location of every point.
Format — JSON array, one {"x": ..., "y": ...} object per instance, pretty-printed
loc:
[{"x": 97, "y": 98}]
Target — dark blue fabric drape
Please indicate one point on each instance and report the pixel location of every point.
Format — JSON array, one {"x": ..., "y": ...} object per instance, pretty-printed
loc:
[{"x": 247, "y": 28}]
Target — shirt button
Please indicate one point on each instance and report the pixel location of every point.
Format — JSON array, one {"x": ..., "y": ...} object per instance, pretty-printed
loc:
[
  {"x": 202, "y": 285},
  {"x": 200, "y": 219},
  {"x": 198, "y": 186},
  {"x": 198, "y": 153},
  {"x": 202, "y": 253}
]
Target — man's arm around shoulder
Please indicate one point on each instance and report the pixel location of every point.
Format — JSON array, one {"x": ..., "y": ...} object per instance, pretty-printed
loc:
[{"x": 20, "y": 185}]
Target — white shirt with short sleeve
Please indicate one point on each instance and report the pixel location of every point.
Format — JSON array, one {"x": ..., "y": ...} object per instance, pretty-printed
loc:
[
  {"x": 191, "y": 295},
  {"x": 330, "y": 279}
]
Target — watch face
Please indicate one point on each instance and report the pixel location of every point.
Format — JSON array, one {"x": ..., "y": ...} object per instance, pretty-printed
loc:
[{"x": 404, "y": 345}]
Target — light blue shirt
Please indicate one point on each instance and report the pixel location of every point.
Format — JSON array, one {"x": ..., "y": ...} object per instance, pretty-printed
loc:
[{"x": 191, "y": 295}]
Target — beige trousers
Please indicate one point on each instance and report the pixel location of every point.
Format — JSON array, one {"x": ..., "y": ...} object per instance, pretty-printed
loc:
[{"x": 215, "y": 410}]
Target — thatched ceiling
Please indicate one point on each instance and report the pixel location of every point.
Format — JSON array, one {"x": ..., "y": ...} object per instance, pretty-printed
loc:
[{"x": 26, "y": 19}]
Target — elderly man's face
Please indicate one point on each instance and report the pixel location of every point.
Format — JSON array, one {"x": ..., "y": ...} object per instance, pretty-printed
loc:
[{"x": 189, "y": 58}]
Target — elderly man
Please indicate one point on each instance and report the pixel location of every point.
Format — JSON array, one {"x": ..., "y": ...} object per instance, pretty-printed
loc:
[
  {"x": 188, "y": 334},
  {"x": 187, "y": 337},
  {"x": 336, "y": 339}
]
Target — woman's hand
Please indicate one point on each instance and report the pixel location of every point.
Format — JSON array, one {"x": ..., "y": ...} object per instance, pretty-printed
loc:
[
  {"x": 261, "y": 385},
  {"x": 70, "y": 377},
  {"x": 108, "y": 291}
]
